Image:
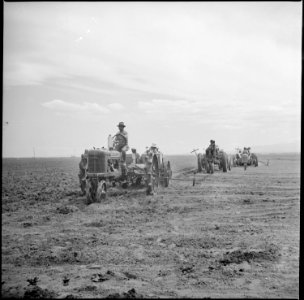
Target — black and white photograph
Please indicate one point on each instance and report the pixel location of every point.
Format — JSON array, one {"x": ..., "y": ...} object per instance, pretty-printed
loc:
[{"x": 151, "y": 149}]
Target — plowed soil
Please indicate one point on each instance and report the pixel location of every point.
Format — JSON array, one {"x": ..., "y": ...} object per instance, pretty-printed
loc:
[{"x": 233, "y": 234}]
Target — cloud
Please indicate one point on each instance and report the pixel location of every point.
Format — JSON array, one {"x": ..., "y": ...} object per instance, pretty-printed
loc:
[
  {"x": 61, "y": 106},
  {"x": 177, "y": 54},
  {"x": 20, "y": 72},
  {"x": 219, "y": 115},
  {"x": 115, "y": 106},
  {"x": 193, "y": 109},
  {"x": 171, "y": 107}
]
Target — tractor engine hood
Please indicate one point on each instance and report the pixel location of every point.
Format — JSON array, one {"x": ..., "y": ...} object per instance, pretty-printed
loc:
[{"x": 114, "y": 154}]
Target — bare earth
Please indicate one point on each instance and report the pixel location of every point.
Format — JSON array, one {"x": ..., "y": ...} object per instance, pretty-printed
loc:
[{"x": 233, "y": 234}]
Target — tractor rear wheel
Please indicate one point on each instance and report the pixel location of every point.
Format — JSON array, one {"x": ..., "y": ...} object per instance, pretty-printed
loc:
[
  {"x": 207, "y": 167},
  {"x": 229, "y": 163},
  {"x": 164, "y": 176},
  {"x": 255, "y": 161},
  {"x": 211, "y": 167},
  {"x": 155, "y": 171},
  {"x": 167, "y": 175},
  {"x": 224, "y": 163},
  {"x": 155, "y": 177},
  {"x": 166, "y": 181},
  {"x": 169, "y": 169}
]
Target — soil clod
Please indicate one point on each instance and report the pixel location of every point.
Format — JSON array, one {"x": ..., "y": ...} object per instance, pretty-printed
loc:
[
  {"x": 37, "y": 292},
  {"x": 33, "y": 281},
  {"x": 102, "y": 277},
  {"x": 65, "y": 281},
  {"x": 131, "y": 294},
  {"x": 129, "y": 275}
]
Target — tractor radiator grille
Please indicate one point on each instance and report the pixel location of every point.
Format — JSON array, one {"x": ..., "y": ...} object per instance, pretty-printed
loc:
[{"x": 97, "y": 162}]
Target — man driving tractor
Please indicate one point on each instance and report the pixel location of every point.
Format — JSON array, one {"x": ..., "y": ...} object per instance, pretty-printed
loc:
[
  {"x": 121, "y": 144},
  {"x": 121, "y": 140},
  {"x": 212, "y": 148}
]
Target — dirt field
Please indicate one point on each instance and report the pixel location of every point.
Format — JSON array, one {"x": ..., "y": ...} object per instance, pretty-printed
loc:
[{"x": 233, "y": 234}]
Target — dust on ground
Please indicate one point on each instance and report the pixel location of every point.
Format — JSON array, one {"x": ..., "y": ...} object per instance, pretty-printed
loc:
[{"x": 233, "y": 234}]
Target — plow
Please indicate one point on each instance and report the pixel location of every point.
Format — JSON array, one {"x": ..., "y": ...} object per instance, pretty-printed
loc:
[{"x": 197, "y": 177}]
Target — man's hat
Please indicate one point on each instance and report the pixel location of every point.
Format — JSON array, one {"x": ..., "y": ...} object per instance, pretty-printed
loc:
[
  {"x": 212, "y": 141},
  {"x": 121, "y": 124}
]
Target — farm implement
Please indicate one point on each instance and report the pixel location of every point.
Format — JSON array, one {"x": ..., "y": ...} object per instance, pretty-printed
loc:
[
  {"x": 245, "y": 158},
  {"x": 212, "y": 159},
  {"x": 103, "y": 168}
]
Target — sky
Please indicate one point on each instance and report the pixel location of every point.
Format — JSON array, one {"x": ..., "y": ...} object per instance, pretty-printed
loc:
[{"x": 177, "y": 74}]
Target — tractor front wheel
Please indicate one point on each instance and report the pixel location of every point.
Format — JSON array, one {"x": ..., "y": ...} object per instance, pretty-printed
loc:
[
  {"x": 224, "y": 163},
  {"x": 101, "y": 191},
  {"x": 90, "y": 191},
  {"x": 82, "y": 182},
  {"x": 149, "y": 190}
]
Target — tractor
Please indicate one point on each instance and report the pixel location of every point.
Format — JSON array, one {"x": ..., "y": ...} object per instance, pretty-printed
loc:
[
  {"x": 237, "y": 158},
  {"x": 213, "y": 157},
  {"x": 103, "y": 168},
  {"x": 219, "y": 158},
  {"x": 245, "y": 158}
]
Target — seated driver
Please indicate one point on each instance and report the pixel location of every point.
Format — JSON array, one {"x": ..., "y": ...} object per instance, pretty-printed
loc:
[
  {"x": 154, "y": 148},
  {"x": 121, "y": 145},
  {"x": 245, "y": 151},
  {"x": 211, "y": 148},
  {"x": 121, "y": 139}
]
